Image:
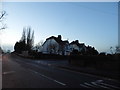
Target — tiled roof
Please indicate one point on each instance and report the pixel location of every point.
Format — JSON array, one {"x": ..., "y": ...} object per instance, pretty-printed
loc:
[
  {"x": 58, "y": 40},
  {"x": 77, "y": 43}
]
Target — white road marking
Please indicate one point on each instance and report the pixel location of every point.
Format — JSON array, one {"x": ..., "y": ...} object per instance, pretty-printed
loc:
[
  {"x": 99, "y": 81},
  {"x": 101, "y": 86},
  {"x": 110, "y": 85},
  {"x": 48, "y": 77},
  {"x": 60, "y": 82},
  {"x": 84, "y": 86},
  {"x": 9, "y": 72},
  {"x": 91, "y": 85}
]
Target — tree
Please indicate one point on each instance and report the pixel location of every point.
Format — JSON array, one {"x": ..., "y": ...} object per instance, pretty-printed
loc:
[
  {"x": 117, "y": 50},
  {"x": 2, "y": 17},
  {"x": 23, "y": 39},
  {"x": 30, "y": 39},
  {"x": 111, "y": 50},
  {"x": 26, "y": 42},
  {"x": 2, "y": 26},
  {"x": 38, "y": 46}
]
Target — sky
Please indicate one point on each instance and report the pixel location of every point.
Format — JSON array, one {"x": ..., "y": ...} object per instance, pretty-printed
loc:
[{"x": 92, "y": 23}]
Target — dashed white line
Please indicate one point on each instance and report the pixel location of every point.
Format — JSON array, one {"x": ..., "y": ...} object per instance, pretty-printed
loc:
[{"x": 48, "y": 77}]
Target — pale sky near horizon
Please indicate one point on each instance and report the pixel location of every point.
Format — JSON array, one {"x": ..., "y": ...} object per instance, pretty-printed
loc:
[{"x": 92, "y": 23}]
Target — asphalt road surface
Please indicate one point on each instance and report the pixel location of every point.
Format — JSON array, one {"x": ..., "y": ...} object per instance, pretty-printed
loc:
[{"x": 18, "y": 72}]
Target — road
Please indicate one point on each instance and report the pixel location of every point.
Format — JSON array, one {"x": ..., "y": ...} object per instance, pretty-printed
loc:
[{"x": 18, "y": 72}]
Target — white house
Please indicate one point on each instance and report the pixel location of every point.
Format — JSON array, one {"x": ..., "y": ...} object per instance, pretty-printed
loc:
[
  {"x": 75, "y": 45},
  {"x": 55, "y": 45}
]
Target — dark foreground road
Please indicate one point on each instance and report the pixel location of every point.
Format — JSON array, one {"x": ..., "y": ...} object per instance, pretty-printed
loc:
[{"x": 22, "y": 73}]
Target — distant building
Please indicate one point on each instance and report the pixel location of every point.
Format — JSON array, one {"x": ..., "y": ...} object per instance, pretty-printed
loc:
[{"x": 55, "y": 45}]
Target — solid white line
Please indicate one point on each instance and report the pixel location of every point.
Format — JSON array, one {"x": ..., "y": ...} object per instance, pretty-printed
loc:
[
  {"x": 48, "y": 77},
  {"x": 101, "y": 85},
  {"x": 84, "y": 86},
  {"x": 110, "y": 85}
]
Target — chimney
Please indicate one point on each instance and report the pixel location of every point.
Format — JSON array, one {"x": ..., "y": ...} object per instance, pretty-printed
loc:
[
  {"x": 77, "y": 41},
  {"x": 59, "y": 37}
]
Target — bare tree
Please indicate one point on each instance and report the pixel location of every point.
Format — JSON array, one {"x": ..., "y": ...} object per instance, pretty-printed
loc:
[
  {"x": 117, "y": 50},
  {"x": 38, "y": 46},
  {"x": 2, "y": 26},
  {"x": 111, "y": 50},
  {"x": 23, "y": 38},
  {"x": 30, "y": 38},
  {"x": 2, "y": 17},
  {"x": 26, "y": 42}
]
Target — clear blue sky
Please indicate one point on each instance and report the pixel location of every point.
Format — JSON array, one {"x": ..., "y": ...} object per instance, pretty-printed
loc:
[{"x": 92, "y": 23}]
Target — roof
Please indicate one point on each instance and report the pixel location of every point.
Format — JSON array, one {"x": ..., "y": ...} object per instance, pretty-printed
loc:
[
  {"x": 55, "y": 38},
  {"x": 58, "y": 40},
  {"x": 77, "y": 43}
]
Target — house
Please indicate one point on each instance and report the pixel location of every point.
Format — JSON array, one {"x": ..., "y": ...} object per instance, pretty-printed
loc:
[
  {"x": 55, "y": 45},
  {"x": 75, "y": 45}
]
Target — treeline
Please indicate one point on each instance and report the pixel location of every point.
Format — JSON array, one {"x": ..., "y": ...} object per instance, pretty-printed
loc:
[{"x": 26, "y": 42}]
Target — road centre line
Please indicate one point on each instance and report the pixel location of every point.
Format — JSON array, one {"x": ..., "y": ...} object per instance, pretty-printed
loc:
[{"x": 48, "y": 77}]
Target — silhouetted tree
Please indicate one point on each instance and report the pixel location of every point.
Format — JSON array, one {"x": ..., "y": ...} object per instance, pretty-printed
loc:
[
  {"x": 23, "y": 40},
  {"x": 26, "y": 42},
  {"x": 30, "y": 39}
]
